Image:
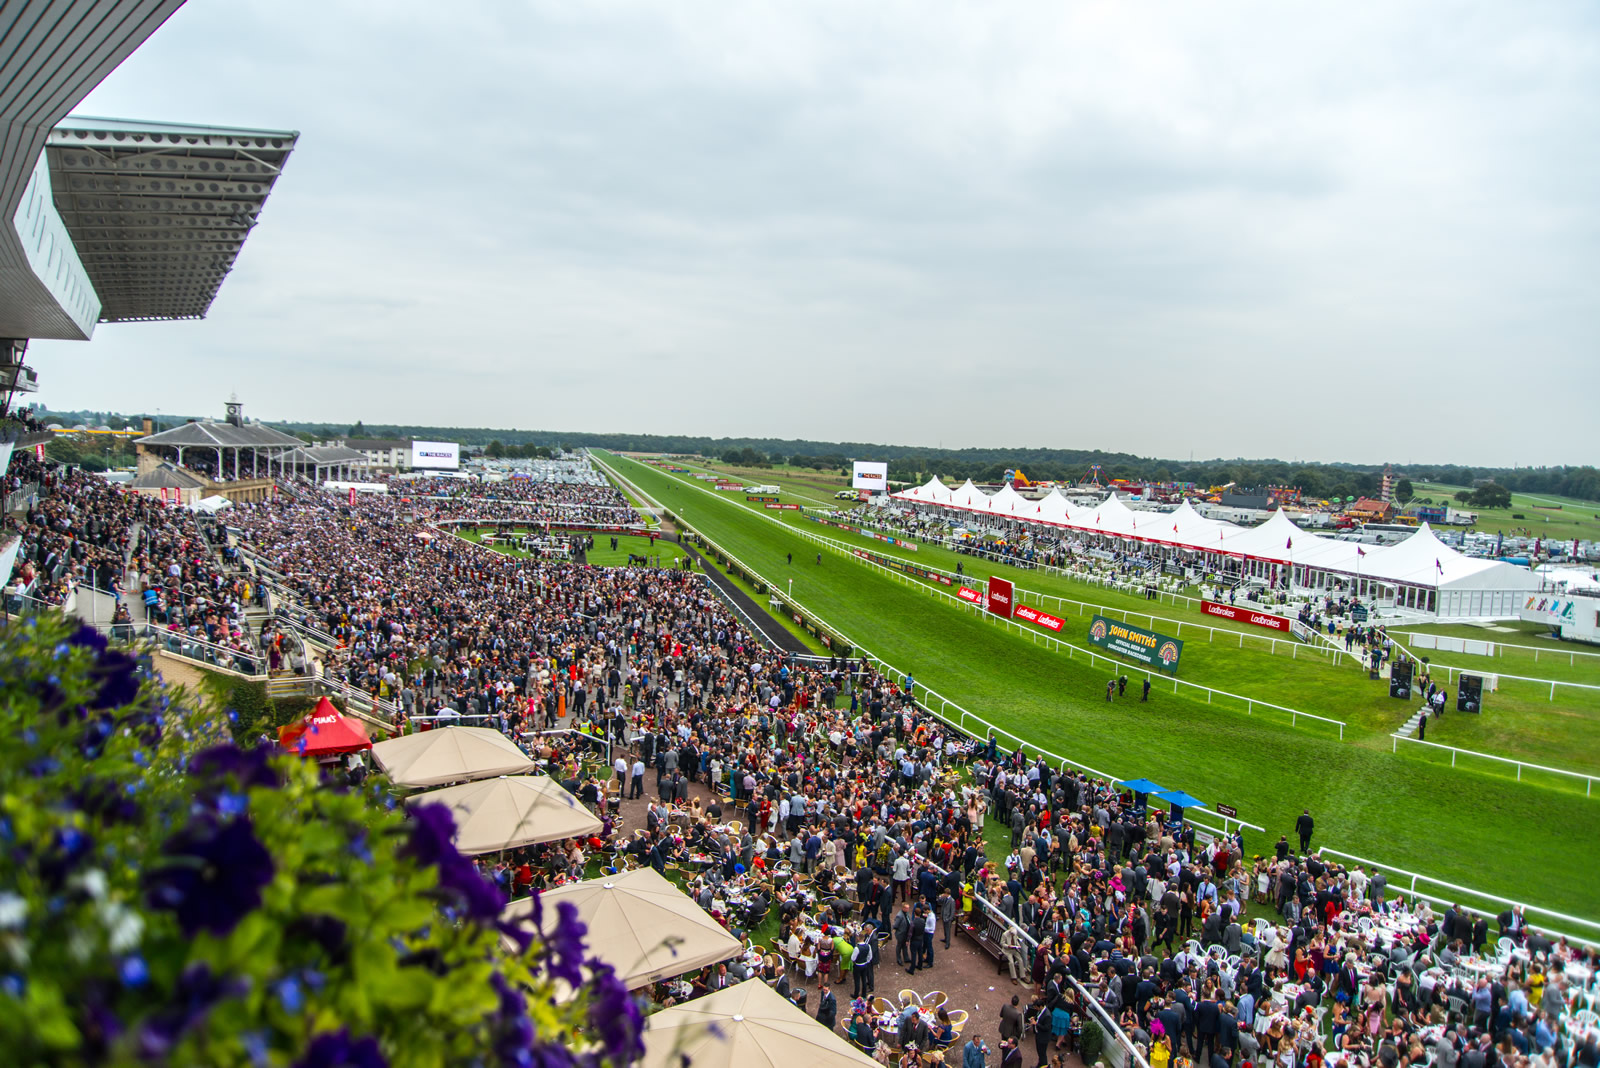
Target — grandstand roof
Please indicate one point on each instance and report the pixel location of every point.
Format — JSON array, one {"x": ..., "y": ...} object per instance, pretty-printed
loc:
[
  {"x": 168, "y": 476},
  {"x": 52, "y": 52},
  {"x": 159, "y": 212},
  {"x": 324, "y": 454},
  {"x": 222, "y": 435}
]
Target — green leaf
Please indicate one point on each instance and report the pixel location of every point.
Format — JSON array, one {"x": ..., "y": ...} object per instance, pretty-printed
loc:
[
  {"x": 402, "y": 988},
  {"x": 52, "y": 1024}
]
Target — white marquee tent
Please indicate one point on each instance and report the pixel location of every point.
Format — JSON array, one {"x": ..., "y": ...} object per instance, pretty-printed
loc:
[{"x": 1420, "y": 573}]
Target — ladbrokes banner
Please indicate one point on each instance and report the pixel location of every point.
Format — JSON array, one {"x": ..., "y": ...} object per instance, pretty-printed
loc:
[
  {"x": 1146, "y": 646},
  {"x": 1244, "y": 615},
  {"x": 1038, "y": 618},
  {"x": 1001, "y": 602}
]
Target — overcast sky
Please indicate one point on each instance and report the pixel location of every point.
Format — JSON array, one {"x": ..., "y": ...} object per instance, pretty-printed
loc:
[{"x": 1366, "y": 232}]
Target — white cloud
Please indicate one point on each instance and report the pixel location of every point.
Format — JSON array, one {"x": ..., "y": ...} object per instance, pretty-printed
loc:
[{"x": 1228, "y": 228}]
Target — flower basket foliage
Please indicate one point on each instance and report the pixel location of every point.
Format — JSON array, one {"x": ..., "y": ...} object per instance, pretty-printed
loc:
[{"x": 169, "y": 896}]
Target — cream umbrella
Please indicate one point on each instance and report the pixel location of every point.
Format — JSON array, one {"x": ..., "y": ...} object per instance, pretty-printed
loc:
[
  {"x": 755, "y": 1027},
  {"x": 518, "y": 810},
  {"x": 450, "y": 754},
  {"x": 639, "y": 923}
]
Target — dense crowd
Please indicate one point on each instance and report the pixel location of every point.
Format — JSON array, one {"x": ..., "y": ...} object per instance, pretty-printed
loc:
[
  {"x": 83, "y": 531},
  {"x": 564, "y": 492},
  {"x": 843, "y": 821}
]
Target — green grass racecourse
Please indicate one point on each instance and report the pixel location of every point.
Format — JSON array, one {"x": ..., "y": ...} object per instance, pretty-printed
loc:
[
  {"x": 1522, "y": 720},
  {"x": 1527, "y": 840}
]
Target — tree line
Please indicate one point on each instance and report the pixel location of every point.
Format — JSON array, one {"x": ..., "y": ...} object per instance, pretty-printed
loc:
[{"x": 910, "y": 463}]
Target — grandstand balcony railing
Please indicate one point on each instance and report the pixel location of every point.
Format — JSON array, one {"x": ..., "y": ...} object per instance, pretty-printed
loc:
[{"x": 954, "y": 715}]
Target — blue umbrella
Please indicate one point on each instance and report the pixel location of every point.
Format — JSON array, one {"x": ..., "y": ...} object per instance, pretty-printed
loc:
[
  {"x": 1142, "y": 786},
  {"x": 1179, "y": 798}
]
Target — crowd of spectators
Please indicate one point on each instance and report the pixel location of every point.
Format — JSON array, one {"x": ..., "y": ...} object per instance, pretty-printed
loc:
[
  {"x": 81, "y": 530},
  {"x": 844, "y": 821}
]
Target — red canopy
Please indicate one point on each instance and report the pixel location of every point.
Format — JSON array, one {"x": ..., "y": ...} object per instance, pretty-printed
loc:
[{"x": 325, "y": 732}]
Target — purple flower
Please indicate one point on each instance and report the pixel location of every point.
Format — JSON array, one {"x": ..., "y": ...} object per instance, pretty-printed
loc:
[
  {"x": 198, "y": 990},
  {"x": 214, "y": 876},
  {"x": 87, "y": 637},
  {"x": 480, "y": 899},
  {"x": 118, "y": 675},
  {"x": 335, "y": 1049},
  {"x": 432, "y": 842},
  {"x": 247, "y": 767},
  {"x": 324, "y": 930},
  {"x": 432, "y": 837},
  {"x": 565, "y": 945},
  {"x": 615, "y": 1016}
]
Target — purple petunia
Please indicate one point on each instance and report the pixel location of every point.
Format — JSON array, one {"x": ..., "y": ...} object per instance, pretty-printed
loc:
[
  {"x": 564, "y": 942},
  {"x": 247, "y": 767},
  {"x": 199, "y": 988},
  {"x": 432, "y": 843},
  {"x": 432, "y": 837},
  {"x": 336, "y": 1049},
  {"x": 615, "y": 1015},
  {"x": 213, "y": 876}
]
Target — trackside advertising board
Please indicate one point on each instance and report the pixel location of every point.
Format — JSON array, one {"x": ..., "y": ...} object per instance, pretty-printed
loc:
[
  {"x": 436, "y": 455},
  {"x": 1146, "y": 646},
  {"x": 1039, "y": 619},
  {"x": 1000, "y": 599},
  {"x": 900, "y": 565},
  {"x": 866, "y": 475},
  {"x": 1244, "y": 615},
  {"x": 967, "y": 593}
]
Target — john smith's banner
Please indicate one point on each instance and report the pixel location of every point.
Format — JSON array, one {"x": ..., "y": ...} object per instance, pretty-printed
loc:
[{"x": 1146, "y": 646}]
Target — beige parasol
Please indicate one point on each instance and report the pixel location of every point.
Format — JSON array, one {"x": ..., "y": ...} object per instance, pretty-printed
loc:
[
  {"x": 754, "y": 1027},
  {"x": 518, "y": 810},
  {"x": 639, "y": 923},
  {"x": 450, "y": 754}
]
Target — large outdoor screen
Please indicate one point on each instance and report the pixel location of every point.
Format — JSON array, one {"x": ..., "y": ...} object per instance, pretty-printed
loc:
[
  {"x": 870, "y": 476},
  {"x": 439, "y": 455}
]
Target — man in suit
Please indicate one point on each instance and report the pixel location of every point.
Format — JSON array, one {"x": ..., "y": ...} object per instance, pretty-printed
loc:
[
  {"x": 902, "y": 935},
  {"x": 827, "y": 1007},
  {"x": 1207, "y": 1025},
  {"x": 1375, "y": 888},
  {"x": 1011, "y": 1020},
  {"x": 863, "y": 960},
  {"x": 1513, "y": 924},
  {"x": 1303, "y": 827},
  {"x": 1480, "y": 934}
]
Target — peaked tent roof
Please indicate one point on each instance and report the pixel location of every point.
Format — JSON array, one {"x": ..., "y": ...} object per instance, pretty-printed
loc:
[
  {"x": 1008, "y": 502},
  {"x": 755, "y": 1027},
  {"x": 450, "y": 754},
  {"x": 326, "y": 732},
  {"x": 639, "y": 923},
  {"x": 1052, "y": 508},
  {"x": 496, "y": 814},
  {"x": 1424, "y": 560},
  {"x": 970, "y": 497},
  {"x": 931, "y": 492}
]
